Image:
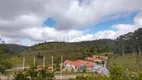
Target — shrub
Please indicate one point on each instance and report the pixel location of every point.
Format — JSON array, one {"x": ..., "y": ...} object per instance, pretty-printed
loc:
[
  {"x": 32, "y": 74},
  {"x": 78, "y": 69},
  {"x": 117, "y": 73},
  {"x": 66, "y": 71},
  {"x": 20, "y": 76},
  {"x": 4, "y": 63},
  {"x": 84, "y": 71},
  {"x": 92, "y": 77},
  {"x": 72, "y": 70}
]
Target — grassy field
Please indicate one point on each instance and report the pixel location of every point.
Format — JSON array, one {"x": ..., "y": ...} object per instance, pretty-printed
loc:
[
  {"x": 128, "y": 61},
  {"x": 29, "y": 59},
  {"x": 18, "y": 61},
  {"x": 103, "y": 54}
]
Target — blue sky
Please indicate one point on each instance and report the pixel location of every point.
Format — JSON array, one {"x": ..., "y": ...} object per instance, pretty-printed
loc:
[
  {"x": 101, "y": 26},
  {"x": 49, "y": 22},
  {"x": 107, "y": 25}
]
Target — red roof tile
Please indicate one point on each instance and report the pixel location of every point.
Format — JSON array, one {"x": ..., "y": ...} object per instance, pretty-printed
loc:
[
  {"x": 93, "y": 59},
  {"x": 89, "y": 64},
  {"x": 68, "y": 62},
  {"x": 103, "y": 56},
  {"x": 80, "y": 62}
]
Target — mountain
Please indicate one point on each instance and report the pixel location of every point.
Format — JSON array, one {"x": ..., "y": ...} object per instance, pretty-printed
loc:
[
  {"x": 16, "y": 48},
  {"x": 12, "y": 48}
]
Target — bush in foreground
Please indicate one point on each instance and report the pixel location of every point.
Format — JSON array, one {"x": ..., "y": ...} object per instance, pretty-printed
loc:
[
  {"x": 92, "y": 77},
  {"x": 32, "y": 74},
  {"x": 116, "y": 73}
]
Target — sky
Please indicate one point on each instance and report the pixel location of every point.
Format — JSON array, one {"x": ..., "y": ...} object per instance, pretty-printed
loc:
[{"x": 27, "y": 22}]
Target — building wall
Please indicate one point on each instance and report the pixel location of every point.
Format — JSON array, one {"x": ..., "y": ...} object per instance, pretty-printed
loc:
[
  {"x": 70, "y": 66},
  {"x": 98, "y": 60}
]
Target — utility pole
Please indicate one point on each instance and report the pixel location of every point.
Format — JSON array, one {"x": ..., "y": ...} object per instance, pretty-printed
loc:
[
  {"x": 61, "y": 67},
  {"x": 44, "y": 62},
  {"x": 52, "y": 65},
  {"x": 133, "y": 51},
  {"x": 123, "y": 50},
  {"x": 23, "y": 63},
  {"x": 34, "y": 62},
  {"x": 140, "y": 52}
]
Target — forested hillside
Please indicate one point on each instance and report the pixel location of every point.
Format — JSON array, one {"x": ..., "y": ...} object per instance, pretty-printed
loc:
[
  {"x": 12, "y": 49},
  {"x": 72, "y": 51},
  {"x": 129, "y": 43}
]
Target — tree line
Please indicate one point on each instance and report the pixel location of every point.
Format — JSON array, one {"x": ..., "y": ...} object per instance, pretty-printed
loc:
[{"x": 129, "y": 43}]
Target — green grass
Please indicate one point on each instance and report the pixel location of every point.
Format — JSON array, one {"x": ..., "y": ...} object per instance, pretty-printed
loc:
[
  {"x": 127, "y": 61},
  {"x": 18, "y": 61},
  {"x": 103, "y": 54}
]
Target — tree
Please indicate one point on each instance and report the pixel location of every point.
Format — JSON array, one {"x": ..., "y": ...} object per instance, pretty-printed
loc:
[
  {"x": 32, "y": 74},
  {"x": 78, "y": 69},
  {"x": 103, "y": 62},
  {"x": 117, "y": 73},
  {"x": 92, "y": 77},
  {"x": 66, "y": 71},
  {"x": 84, "y": 71},
  {"x": 20, "y": 76},
  {"x": 4, "y": 63},
  {"x": 57, "y": 65},
  {"x": 72, "y": 70},
  {"x": 45, "y": 75},
  {"x": 97, "y": 62}
]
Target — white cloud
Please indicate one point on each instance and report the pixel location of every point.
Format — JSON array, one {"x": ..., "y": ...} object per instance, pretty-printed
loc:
[
  {"x": 107, "y": 34},
  {"x": 21, "y": 22},
  {"x": 47, "y": 33},
  {"x": 23, "y": 19},
  {"x": 110, "y": 34},
  {"x": 138, "y": 19},
  {"x": 81, "y": 16}
]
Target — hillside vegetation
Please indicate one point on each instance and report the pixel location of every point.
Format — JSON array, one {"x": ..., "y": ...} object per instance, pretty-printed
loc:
[
  {"x": 72, "y": 51},
  {"x": 12, "y": 49},
  {"x": 129, "y": 43}
]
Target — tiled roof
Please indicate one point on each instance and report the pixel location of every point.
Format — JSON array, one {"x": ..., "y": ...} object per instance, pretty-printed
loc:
[
  {"x": 79, "y": 63},
  {"x": 93, "y": 59},
  {"x": 89, "y": 64},
  {"x": 98, "y": 59},
  {"x": 68, "y": 62},
  {"x": 90, "y": 58},
  {"x": 103, "y": 56}
]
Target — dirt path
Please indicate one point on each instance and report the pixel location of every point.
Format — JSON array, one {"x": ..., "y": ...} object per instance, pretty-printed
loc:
[{"x": 108, "y": 61}]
